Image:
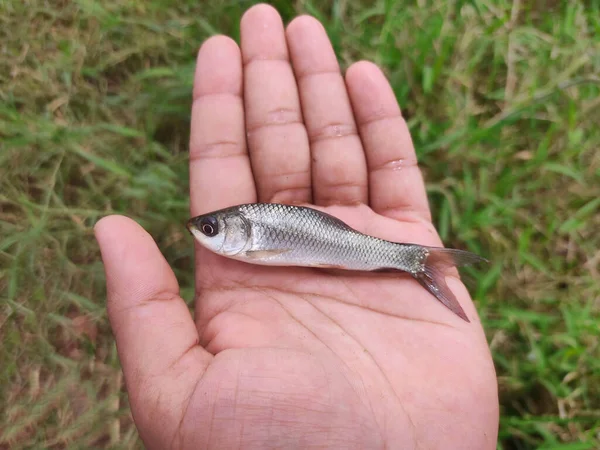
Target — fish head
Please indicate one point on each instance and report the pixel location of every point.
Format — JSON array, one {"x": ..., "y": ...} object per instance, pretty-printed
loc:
[{"x": 225, "y": 232}]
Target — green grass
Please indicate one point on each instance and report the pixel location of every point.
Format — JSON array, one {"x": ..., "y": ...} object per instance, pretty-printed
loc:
[{"x": 502, "y": 98}]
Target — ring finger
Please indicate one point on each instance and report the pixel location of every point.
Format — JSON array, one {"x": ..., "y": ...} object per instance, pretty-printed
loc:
[{"x": 339, "y": 170}]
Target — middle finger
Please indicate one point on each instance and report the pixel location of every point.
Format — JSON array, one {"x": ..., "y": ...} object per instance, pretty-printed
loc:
[{"x": 277, "y": 139}]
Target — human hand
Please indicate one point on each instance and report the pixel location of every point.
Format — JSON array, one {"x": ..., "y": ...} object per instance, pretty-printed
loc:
[{"x": 282, "y": 357}]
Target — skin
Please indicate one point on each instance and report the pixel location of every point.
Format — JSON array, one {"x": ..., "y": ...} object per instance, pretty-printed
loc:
[{"x": 278, "y": 357}]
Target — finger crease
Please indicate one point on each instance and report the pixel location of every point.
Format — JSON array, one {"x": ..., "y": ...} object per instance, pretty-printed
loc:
[
  {"x": 217, "y": 150},
  {"x": 395, "y": 164},
  {"x": 289, "y": 186},
  {"x": 258, "y": 59},
  {"x": 405, "y": 213},
  {"x": 315, "y": 73},
  {"x": 206, "y": 95},
  {"x": 191, "y": 347},
  {"x": 379, "y": 117},
  {"x": 290, "y": 192},
  {"x": 159, "y": 297},
  {"x": 332, "y": 131},
  {"x": 276, "y": 118},
  {"x": 295, "y": 174},
  {"x": 344, "y": 184}
]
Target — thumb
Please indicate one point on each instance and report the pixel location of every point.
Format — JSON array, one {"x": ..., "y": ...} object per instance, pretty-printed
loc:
[{"x": 155, "y": 333}]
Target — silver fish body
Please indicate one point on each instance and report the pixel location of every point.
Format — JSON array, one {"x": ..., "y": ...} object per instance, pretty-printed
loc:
[{"x": 286, "y": 235}]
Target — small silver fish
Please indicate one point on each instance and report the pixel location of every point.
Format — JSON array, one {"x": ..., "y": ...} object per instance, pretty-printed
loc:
[{"x": 286, "y": 235}]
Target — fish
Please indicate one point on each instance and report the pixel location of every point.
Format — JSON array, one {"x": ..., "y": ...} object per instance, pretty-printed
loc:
[{"x": 275, "y": 234}]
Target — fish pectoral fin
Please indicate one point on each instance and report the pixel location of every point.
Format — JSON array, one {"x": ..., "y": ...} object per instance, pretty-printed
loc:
[{"x": 261, "y": 254}]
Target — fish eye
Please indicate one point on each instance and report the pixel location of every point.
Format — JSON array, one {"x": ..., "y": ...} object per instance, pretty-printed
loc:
[{"x": 209, "y": 226}]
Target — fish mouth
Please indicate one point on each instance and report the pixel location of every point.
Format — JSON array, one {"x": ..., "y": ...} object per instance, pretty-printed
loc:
[{"x": 191, "y": 225}]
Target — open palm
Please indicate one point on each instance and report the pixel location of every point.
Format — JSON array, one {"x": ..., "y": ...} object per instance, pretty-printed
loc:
[{"x": 284, "y": 357}]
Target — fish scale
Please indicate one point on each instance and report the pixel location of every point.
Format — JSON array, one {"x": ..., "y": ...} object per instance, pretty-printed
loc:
[
  {"x": 287, "y": 235},
  {"x": 322, "y": 240}
]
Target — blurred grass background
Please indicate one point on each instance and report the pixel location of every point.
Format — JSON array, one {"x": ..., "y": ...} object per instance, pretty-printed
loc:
[{"x": 502, "y": 98}]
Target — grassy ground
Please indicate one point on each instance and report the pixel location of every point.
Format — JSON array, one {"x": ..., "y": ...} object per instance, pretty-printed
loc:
[{"x": 503, "y": 102}]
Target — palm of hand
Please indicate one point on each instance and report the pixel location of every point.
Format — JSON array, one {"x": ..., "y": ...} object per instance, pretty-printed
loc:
[
  {"x": 296, "y": 357},
  {"x": 348, "y": 359}
]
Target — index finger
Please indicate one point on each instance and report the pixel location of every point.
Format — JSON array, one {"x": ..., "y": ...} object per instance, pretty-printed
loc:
[{"x": 220, "y": 171}]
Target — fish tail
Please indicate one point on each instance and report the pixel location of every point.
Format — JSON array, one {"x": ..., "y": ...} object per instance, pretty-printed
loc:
[{"x": 433, "y": 278}]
